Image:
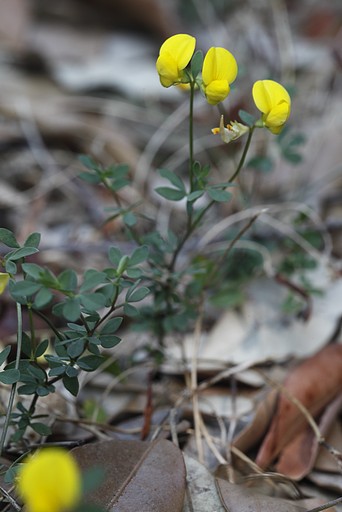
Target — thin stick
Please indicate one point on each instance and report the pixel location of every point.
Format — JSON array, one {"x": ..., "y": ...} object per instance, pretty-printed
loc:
[
  {"x": 14, "y": 386},
  {"x": 326, "y": 505}
]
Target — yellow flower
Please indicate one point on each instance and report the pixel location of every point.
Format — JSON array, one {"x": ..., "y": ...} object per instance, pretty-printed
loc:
[
  {"x": 174, "y": 55},
  {"x": 4, "y": 278},
  {"x": 232, "y": 131},
  {"x": 219, "y": 71},
  {"x": 273, "y": 100},
  {"x": 50, "y": 481}
]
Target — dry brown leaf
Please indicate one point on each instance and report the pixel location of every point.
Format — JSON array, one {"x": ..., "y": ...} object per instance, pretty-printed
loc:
[
  {"x": 314, "y": 383},
  {"x": 236, "y": 498},
  {"x": 139, "y": 476},
  {"x": 298, "y": 457}
]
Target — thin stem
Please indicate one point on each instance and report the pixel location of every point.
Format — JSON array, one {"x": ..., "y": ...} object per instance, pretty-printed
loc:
[
  {"x": 32, "y": 331},
  {"x": 193, "y": 225},
  {"x": 327, "y": 505},
  {"x": 191, "y": 136},
  {"x": 243, "y": 156},
  {"x": 14, "y": 385},
  {"x": 49, "y": 323}
]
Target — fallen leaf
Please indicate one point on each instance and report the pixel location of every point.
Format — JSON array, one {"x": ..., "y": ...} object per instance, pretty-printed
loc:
[
  {"x": 140, "y": 476},
  {"x": 202, "y": 494},
  {"x": 237, "y": 498},
  {"x": 314, "y": 383},
  {"x": 298, "y": 457}
]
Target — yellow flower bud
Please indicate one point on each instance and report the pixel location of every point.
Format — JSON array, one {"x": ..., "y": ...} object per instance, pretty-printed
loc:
[
  {"x": 50, "y": 481},
  {"x": 274, "y": 102},
  {"x": 232, "y": 131},
  {"x": 219, "y": 71},
  {"x": 174, "y": 55},
  {"x": 4, "y": 278}
]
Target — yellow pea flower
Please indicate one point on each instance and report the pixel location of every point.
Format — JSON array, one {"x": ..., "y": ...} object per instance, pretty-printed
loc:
[
  {"x": 274, "y": 102},
  {"x": 219, "y": 71},
  {"x": 50, "y": 481},
  {"x": 174, "y": 55},
  {"x": 232, "y": 131},
  {"x": 4, "y": 278}
]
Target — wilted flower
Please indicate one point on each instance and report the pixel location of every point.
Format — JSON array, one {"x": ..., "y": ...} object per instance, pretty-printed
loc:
[
  {"x": 273, "y": 100},
  {"x": 174, "y": 55},
  {"x": 4, "y": 278},
  {"x": 50, "y": 481},
  {"x": 219, "y": 71},
  {"x": 232, "y": 131}
]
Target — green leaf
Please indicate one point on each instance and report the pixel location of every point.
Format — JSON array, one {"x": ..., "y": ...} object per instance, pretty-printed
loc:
[
  {"x": 92, "y": 278},
  {"x": 137, "y": 295},
  {"x": 68, "y": 280},
  {"x": 220, "y": 196},
  {"x": 173, "y": 179},
  {"x": 76, "y": 348},
  {"x": 112, "y": 325},
  {"x": 9, "y": 376},
  {"x": 134, "y": 273},
  {"x": 130, "y": 311},
  {"x": 195, "y": 195},
  {"x": 25, "y": 288},
  {"x": 88, "y": 162},
  {"x": 138, "y": 256},
  {"x": 22, "y": 253},
  {"x": 109, "y": 341},
  {"x": 93, "y": 301},
  {"x": 71, "y": 310},
  {"x": 33, "y": 270},
  {"x": 4, "y": 354},
  {"x": 196, "y": 63},
  {"x": 89, "y": 177},
  {"x": 41, "y": 349},
  {"x": 247, "y": 118},
  {"x": 261, "y": 163},
  {"x": 114, "y": 256},
  {"x": 172, "y": 194},
  {"x": 89, "y": 363},
  {"x": 41, "y": 429},
  {"x": 8, "y": 238},
  {"x": 27, "y": 389},
  {"x": 33, "y": 240},
  {"x": 10, "y": 267},
  {"x": 71, "y": 384},
  {"x": 42, "y": 299},
  {"x": 129, "y": 219},
  {"x": 71, "y": 371}
]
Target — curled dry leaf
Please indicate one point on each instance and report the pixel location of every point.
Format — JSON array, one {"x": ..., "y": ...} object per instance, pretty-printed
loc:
[
  {"x": 314, "y": 383},
  {"x": 298, "y": 457},
  {"x": 139, "y": 476}
]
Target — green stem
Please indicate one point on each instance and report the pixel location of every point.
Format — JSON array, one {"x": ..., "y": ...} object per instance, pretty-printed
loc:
[
  {"x": 32, "y": 331},
  {"x": 49, "y": 323},
  {"x": 14, "y": 386},
  {"x": 191, "y": 227},
  {"x": 191, "y": 136},
  {"x": 243, "y": 156}
]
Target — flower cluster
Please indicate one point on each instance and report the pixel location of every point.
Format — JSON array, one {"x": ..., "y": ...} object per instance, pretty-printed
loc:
[
  {"x": 219, "y": 67},
  {"x": 49, "y": 481},
  {"x": 219, "y": 70}
]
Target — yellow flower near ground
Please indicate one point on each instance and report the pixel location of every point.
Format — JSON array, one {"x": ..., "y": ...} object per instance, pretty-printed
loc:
[
  {"x": 174, "y": 55},
  {"x": 49, "y": 481},
  {"x": 219, "y": 71},
  {"x": 274, "y": 102},
  {"x": 4, "y": 278}
]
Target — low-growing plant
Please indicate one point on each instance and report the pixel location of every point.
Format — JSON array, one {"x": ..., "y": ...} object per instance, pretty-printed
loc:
[{"x": 83, "y": 313}]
